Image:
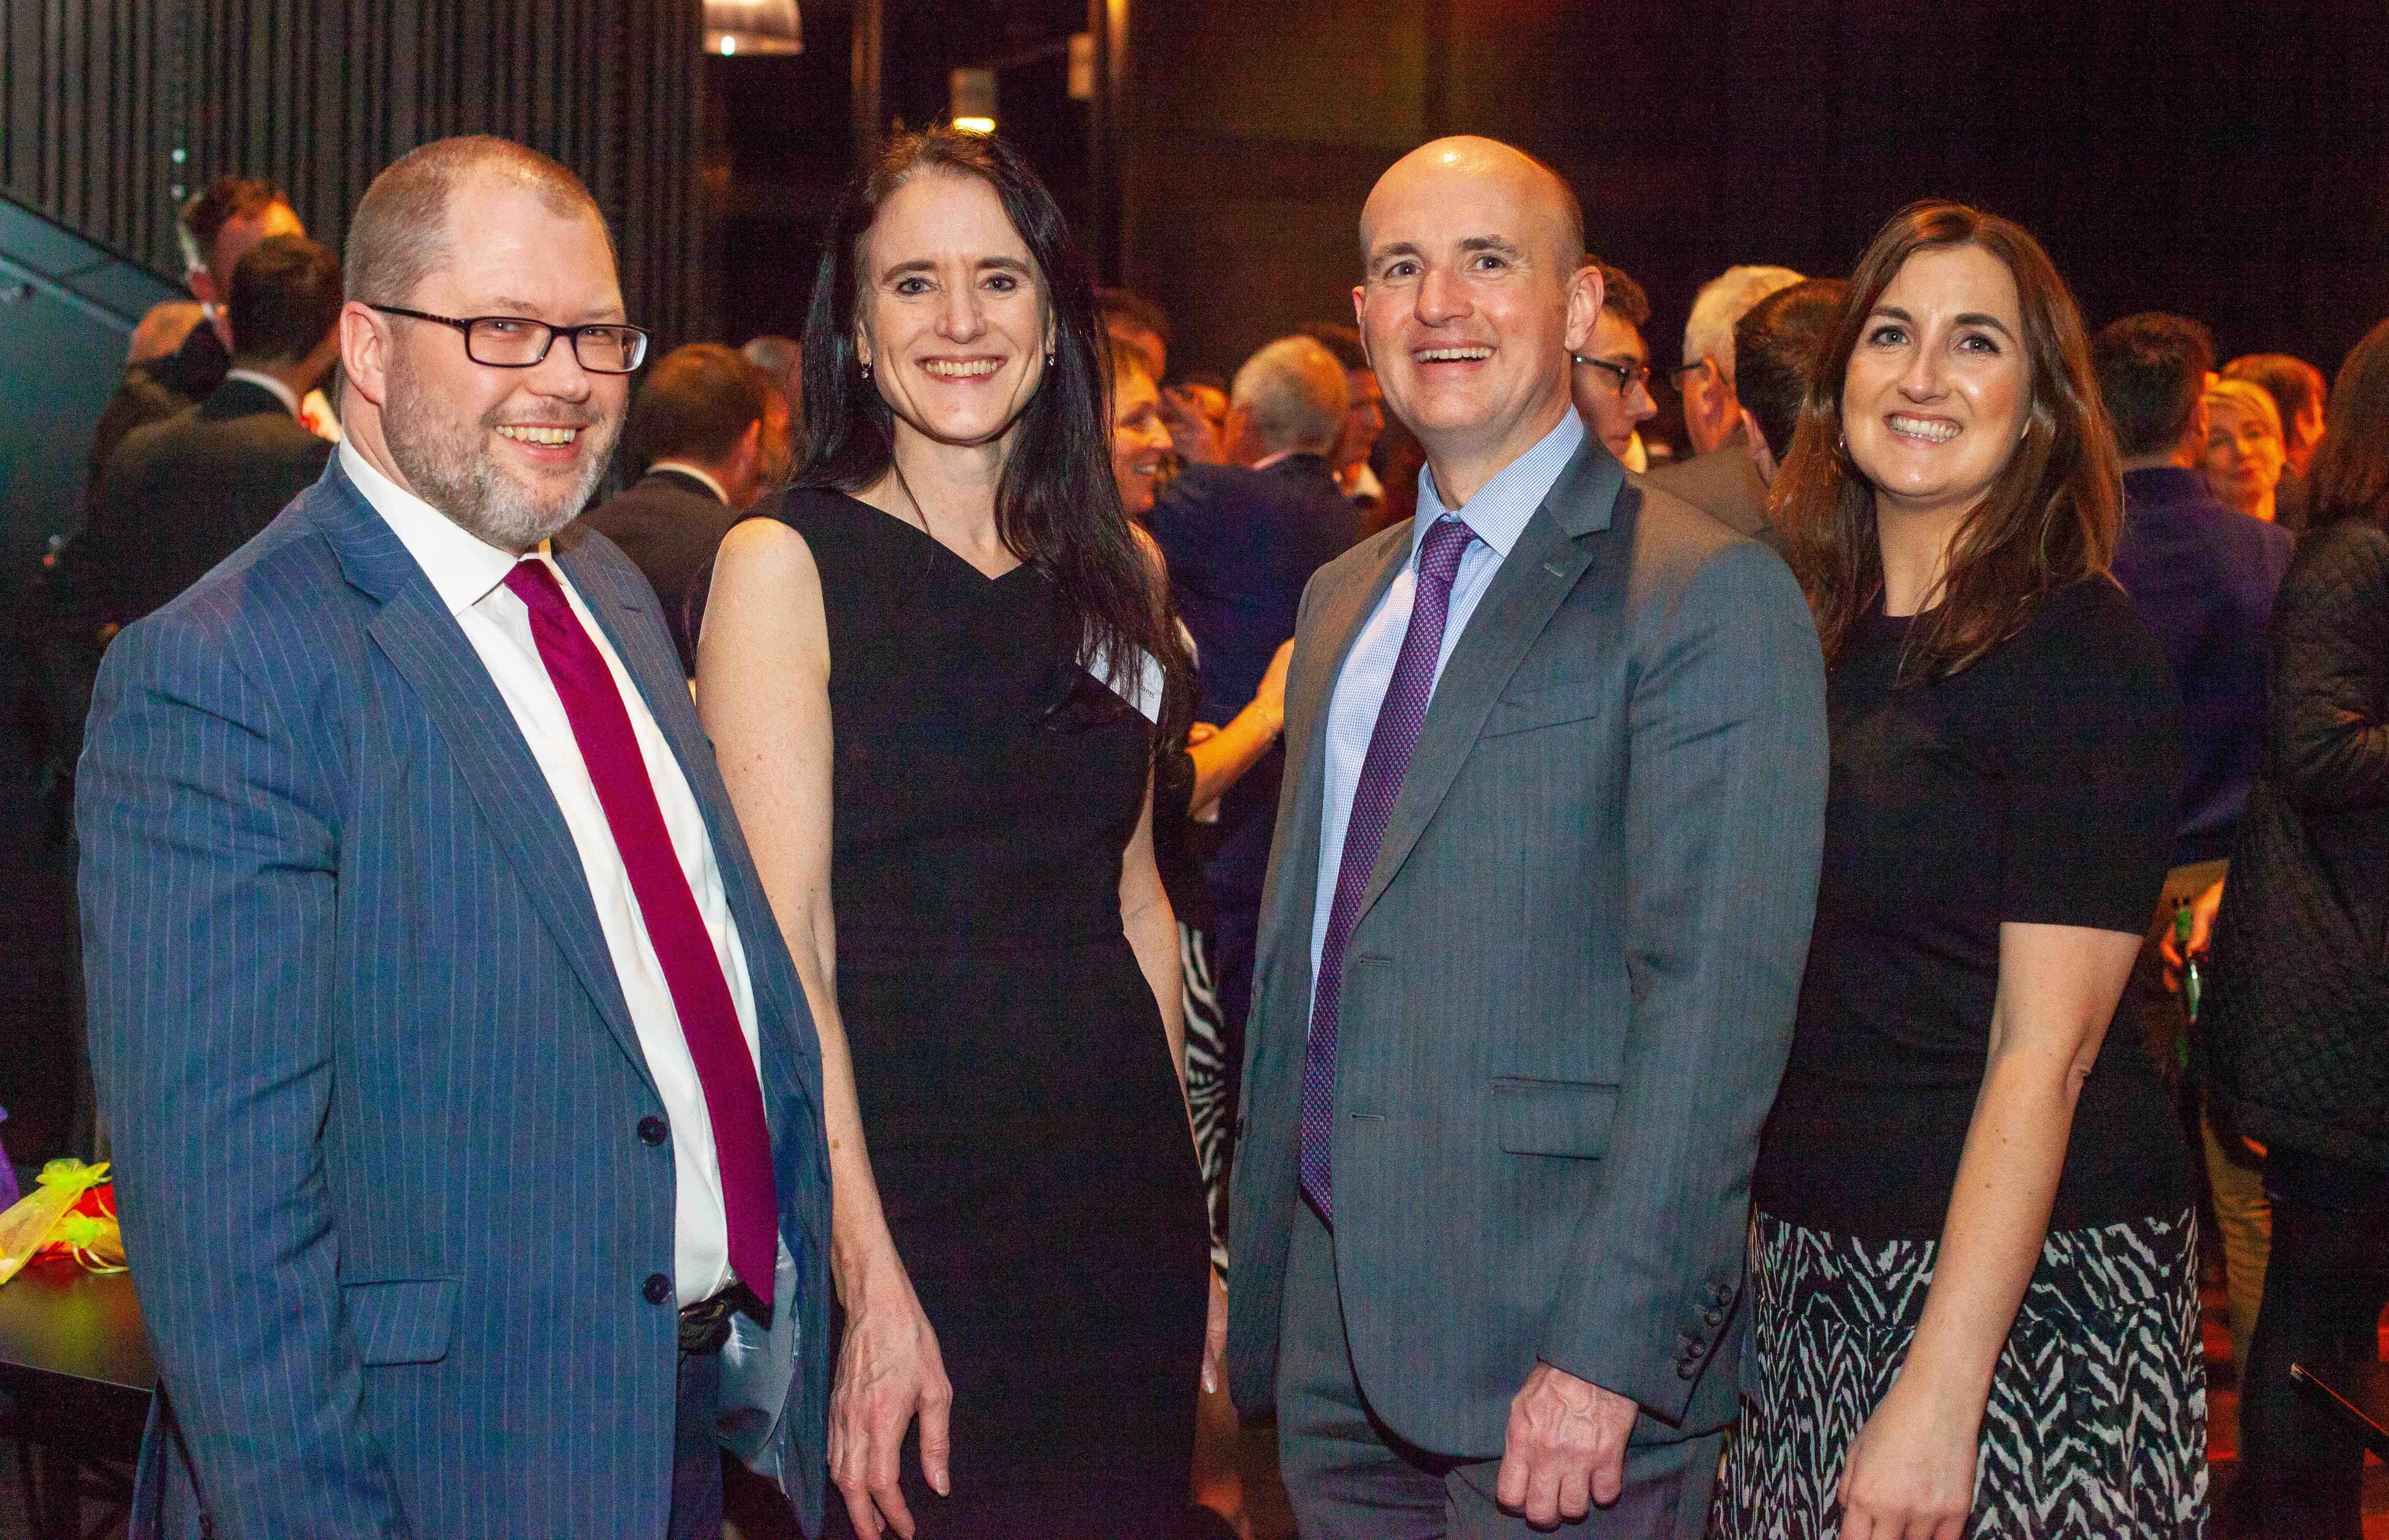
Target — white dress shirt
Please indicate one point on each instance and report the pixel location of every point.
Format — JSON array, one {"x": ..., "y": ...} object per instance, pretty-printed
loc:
[
  {"x": 1497, "y": 514},
  {"x": 469, "y": 576}
]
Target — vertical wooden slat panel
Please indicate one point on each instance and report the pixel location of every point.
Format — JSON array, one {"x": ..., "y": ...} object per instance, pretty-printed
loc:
[{"x": 318, "y": 95}]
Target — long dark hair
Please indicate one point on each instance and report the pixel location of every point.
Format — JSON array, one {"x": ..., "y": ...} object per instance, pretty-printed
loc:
[
  {"x": 2048, "y": 519},
  {"x": 1056, "y": 508},
  {"x": 2350, "y": 477}
]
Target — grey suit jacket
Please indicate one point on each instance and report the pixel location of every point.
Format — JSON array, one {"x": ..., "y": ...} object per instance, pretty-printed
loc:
[
  {"x": 1724, "y": 484},
  {"x": 1572, "y": 981}
]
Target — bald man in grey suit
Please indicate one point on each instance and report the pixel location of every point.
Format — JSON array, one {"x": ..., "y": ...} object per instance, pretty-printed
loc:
[{"x": 1544, "y": 871}]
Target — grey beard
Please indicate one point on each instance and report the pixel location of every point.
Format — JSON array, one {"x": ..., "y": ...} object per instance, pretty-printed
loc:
[{"x": 450, "y": 466}]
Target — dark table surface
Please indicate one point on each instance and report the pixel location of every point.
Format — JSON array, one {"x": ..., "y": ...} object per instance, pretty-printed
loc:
[{"x": 58, "y": 1320}]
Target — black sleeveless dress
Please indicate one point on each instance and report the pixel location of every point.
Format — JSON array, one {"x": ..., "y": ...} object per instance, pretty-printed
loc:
[{"x": 1024, "y": 1121}]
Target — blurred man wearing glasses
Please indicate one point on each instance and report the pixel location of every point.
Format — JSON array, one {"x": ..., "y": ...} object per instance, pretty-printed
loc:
[
  {"x": 1610, "y": 380},
  {"x": 467, "y": 1106}
]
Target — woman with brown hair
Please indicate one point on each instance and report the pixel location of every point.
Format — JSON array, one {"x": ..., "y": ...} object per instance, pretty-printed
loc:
[{"x": 1976, "y": 1307}]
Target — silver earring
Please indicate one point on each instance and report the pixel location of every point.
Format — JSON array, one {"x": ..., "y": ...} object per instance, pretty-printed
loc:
[
  {"x": 867, "y": 368},
  {"x": 1049, "y": 358}
]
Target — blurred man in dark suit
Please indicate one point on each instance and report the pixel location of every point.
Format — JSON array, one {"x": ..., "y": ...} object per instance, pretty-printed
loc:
[
  {"x": 185, "y": 494},
  {"x": 1242, "y": 539},
  {"x": 216, "y": 229},
  {"x": 1364, "y": 418},
  {"x": 1719, "y": 479},
  {"x": 708, "y": 437},
  {"x": 782, "y": 357},
  {"x": 1610, "y": 380},
  {"x": 1776, "y": 345}
]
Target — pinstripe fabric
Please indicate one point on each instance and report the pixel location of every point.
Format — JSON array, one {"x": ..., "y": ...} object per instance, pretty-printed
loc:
[
  {"x": 1570, "y": 989},
  {"x": 375, "y": 1087}
]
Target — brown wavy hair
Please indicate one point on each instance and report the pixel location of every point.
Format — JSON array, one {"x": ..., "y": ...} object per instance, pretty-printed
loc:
[
  {"x": 2350, "y": 477},
  {"x": 2048, "y": 519}
]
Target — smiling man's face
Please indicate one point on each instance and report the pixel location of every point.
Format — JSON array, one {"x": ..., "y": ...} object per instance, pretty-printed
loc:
[
  {"x": 1470, "y": 299},
  {"x": 510, "y": 454}
]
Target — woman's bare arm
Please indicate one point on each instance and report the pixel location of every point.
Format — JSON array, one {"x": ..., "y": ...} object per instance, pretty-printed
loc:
[
  {"x": 1912, "y": 1469},
  {"x": 763, "y": 693},
  {"x": 1221, "y": 759}
]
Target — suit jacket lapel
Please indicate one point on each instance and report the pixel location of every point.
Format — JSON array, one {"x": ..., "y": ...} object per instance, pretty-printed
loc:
[
  {"x": 791, "y": 1058},
  {"x": 1539, "y": 572},
  {"x": 431, "y": 652},
  {"x": 1310, "y": 690}
]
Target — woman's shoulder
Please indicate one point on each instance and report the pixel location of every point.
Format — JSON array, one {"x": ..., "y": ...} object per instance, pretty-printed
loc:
[
  {"x": 2083, "y": 641},
  {"x": 813, "y": 511},
  {"x": 2092, "y": 615}
]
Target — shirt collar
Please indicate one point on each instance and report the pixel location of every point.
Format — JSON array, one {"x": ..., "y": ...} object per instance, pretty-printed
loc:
[
  {"x": 695, "y": 473},
  {"x": 1499, "y": 512},
  {"x": 283, "y": 393},
  {"x": 462, "y": 566}
]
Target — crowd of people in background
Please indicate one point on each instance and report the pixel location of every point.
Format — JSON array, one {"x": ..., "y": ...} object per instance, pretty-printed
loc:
[{"x": 1052, "y": 689}]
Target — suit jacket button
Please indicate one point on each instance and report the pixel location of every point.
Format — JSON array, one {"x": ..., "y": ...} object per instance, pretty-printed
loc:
[
  {"x": 1714, "y": 1316},
  {"x": 657, "y": 1289},
  {"x": 652, "y": 1130},
  {"x": 1687, "y": 1369}
]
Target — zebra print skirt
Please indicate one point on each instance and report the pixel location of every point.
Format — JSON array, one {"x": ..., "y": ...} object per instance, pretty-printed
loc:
[
  {"x": 2096, "y": 1428},
  {"x": 1210, "y": 1081}
]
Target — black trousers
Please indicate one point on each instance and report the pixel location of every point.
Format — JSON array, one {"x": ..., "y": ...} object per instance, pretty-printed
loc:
[
  {"x": 697, "y": 1449},
  {"x": 2324, "y": 1291}
]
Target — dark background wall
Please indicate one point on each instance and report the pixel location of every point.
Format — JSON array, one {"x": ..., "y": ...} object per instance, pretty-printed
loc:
[
  {"x": 2213, "y": 156},
  {"x": 111, "y": 110},
  {"x": 319, "y": 94}
]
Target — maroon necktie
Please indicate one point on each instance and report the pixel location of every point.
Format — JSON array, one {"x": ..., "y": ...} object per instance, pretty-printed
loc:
[{"x": 733, "y": 1100}]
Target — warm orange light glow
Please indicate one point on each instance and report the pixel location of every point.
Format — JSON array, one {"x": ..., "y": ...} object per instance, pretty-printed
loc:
[{"x": 976, "y": 125}]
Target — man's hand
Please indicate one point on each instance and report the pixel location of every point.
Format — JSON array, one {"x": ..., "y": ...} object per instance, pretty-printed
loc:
[
  {"x": 1566, "y": 1447},
  {"x": 1192, "y": 434}
]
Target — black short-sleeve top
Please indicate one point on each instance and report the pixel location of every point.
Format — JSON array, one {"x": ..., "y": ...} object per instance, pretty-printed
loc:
[{"x": 2037, "y": 785}]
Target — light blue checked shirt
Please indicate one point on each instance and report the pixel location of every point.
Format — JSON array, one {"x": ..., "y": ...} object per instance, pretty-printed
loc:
[{"x": 1497, "y": 514}]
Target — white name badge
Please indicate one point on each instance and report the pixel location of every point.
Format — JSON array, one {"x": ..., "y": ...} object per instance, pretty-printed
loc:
[{"x": 1145, "y": 681}]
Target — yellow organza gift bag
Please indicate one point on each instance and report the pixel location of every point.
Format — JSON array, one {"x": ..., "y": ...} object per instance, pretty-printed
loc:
[{"x": 70, "y": 1212}]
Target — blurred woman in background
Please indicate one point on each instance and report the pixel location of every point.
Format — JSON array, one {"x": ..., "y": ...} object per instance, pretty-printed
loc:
[{"x": 2246, "y": 450}]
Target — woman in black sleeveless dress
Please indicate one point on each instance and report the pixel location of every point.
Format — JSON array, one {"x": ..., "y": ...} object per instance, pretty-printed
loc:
[{"x": 933, "y": 680}]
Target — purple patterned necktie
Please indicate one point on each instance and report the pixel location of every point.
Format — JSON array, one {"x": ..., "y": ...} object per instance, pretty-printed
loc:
[{"x": 1373, "y": 803}]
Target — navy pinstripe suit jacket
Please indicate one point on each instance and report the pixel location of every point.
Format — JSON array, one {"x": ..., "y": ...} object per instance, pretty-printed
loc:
[{"x": 374, "y": 1087}]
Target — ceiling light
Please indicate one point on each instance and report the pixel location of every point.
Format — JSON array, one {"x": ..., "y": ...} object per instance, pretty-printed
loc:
[{"x": 734, "y": 27}]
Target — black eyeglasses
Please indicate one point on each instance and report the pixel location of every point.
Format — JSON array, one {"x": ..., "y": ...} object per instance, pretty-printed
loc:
[
  {"x": 1676, "y": 372},
  {"x": 512, "y": 342},
  {"x": 1624, "y": 375}
]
